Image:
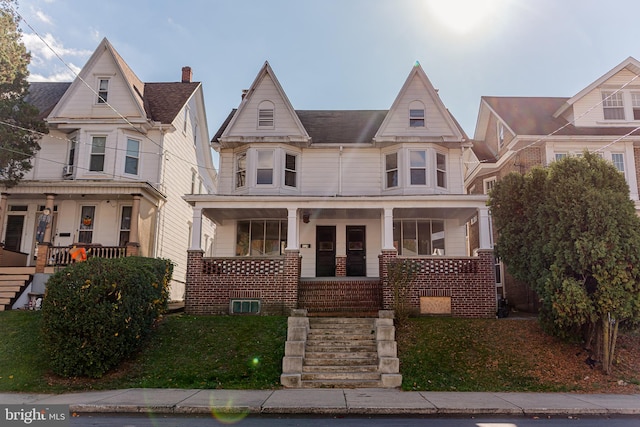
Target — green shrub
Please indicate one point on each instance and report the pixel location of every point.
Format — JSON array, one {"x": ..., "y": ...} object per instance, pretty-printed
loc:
[{"x": 96, "y": 313}]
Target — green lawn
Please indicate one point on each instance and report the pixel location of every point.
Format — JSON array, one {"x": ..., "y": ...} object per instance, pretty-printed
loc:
[{"x": 239, "y": 352}]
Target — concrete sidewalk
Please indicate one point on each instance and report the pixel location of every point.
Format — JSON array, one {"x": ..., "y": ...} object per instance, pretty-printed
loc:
[{"x": 335, "y": 402}]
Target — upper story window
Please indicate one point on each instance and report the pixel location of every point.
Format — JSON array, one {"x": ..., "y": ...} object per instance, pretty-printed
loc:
[
  {"x": 618, "y": 161},
  {"x": 266, "y": 115},
  {"x": 241, "y": 170},
  {"x": 416, "y": 115},
  {"x": 488, "y": 184},
  {"x": 133, "y": 157},
  {"x": 391, "y": 169},
  {"x": 418, "y": 167},
  {"x": 193, "y": 181},
  {"x": 185, "y": 120},
  {"x": 290, "y": 170},
  {"x": 71, "y": 159},
  {"x": 635, "y": 104},
  {"x": 264, "y": 169},
  {"x": 500, "y": 135},
  {"x": 103, "y": 91},
  {"x": 441, "y": 170},
  {"x": 612, "y": 105},
  {"x": 98, "y": 145}
]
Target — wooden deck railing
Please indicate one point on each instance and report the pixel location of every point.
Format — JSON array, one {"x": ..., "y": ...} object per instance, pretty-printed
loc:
[{"x": 61, "y": 255}]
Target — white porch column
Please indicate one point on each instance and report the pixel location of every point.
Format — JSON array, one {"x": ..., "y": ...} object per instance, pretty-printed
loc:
[
  {"x": 484, "y": 229},
  {"x": 196, "y": 230},
  {"x": 387, "y": 242},
  {"x": 292, "y": 229}
]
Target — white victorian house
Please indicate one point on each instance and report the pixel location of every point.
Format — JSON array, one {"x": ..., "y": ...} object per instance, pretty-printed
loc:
[
  {"x": 112, "y": 172},
  {"x": 312, "y": 205}
]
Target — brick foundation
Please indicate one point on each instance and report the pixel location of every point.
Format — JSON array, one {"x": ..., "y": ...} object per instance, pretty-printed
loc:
[{"x": 213, "y": 282}]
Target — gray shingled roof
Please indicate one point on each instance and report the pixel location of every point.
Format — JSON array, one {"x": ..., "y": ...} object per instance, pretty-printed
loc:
[
  {"x": 45, "y": 95},
  {"x": 534, "y": 116},
  {"x": 332, "y": 126},
  {"x": 162, "y": 101}
]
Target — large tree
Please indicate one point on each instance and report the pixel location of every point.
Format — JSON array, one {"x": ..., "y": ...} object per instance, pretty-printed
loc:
[
  {"x": 20, "y": 126},
  {"x": 571, "y": 231}
]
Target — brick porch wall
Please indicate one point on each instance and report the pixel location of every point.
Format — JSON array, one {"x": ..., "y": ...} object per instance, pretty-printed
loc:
[
  {"x": 470, "y": 281},
  {"x": 213, "y": 282}
]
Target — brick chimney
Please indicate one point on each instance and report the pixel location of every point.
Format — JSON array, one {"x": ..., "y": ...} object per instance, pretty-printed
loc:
[{"x": 187, "y": 74}]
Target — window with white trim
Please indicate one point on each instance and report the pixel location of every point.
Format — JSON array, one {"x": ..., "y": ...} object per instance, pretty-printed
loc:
[
  {"x": 391, "y": 170},
  {"x": 241, "y": 170},
  {"x": 416, "y": 118},
  {"x": 635, "y": 105},
  {"x": 441, "y": 170},
  {"x": 185, "y": 120},
  {"x": 560, "y": 156},
  {"x": 412, "y": 237},
  {"x": 132, "y": 157},
  {"x": 290, "y": 170},
  {"x": 418, "y": 167},
  {"x": 103, "y": 91},
  {"x": 488, "y": 184},
  {"x": 264, "y": 169},
  {"x": 500, "y": 134},
  {"x": 612, "y": 105},
  {"x": 125, "y": 224},
  {"x": 96, "y": 160},
  {"x": 266, "y": 115},
  {"x": 618, "y": 161},
  {"x": 87, "y": 220},
  {"x": 261, "y": 237}
]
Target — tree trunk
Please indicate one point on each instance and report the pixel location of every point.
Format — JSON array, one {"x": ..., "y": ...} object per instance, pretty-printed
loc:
[{"x": 606, "y": 328}]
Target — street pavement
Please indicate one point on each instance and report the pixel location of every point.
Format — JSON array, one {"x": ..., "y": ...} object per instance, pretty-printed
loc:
[{"x": 334, "y": 401}]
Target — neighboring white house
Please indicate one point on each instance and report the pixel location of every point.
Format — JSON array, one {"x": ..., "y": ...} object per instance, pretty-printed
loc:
[
  {"x": 113, "y": 170},
  {"x": 334, "y": 189},
  {"x": 513, "y": 134}
]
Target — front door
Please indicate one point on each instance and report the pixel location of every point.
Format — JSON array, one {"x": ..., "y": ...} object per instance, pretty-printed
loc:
[
  {"x": 13, "y": 236},
  {"x": 325, "y": 251},
  {"x": 356, "y": 251}
]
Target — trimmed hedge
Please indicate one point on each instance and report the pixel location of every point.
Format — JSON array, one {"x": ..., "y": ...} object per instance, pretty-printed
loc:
[{"x": 96, "y": 313}]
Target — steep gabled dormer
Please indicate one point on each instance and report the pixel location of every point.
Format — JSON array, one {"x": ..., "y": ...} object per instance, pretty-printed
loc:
[
  {"x": 106, "y": 88},
  {"x": 611, "y": 100},
  {"x": 264, "y": 115},
  {"x": 418, "y": 114}
]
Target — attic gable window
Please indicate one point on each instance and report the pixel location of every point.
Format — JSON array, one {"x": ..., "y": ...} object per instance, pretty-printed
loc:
[
  {"x": 612, "y": 105},
  {"x": 103, "y": 91},
  {"x": 266, "y": 115},
  {"x": 416, "y": 115}
]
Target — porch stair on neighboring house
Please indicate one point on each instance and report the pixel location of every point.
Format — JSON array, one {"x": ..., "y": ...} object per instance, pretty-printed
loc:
[
  {"x": 13, "y": 281},
  {"x": 340, "y": 352}
]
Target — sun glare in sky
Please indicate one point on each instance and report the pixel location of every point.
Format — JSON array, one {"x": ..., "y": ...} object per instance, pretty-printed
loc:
[{"x": 465, "y": 16}]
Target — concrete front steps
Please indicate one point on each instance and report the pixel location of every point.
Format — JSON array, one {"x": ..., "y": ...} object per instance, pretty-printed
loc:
[
  {"x": 340, "y": 352},
  {"x": 11, "y": 286}
]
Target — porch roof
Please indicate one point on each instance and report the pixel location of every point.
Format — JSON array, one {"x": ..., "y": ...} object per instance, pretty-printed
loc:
[
  {"x": 79, "y": 188},
  {"x": 221, "y": 207}
]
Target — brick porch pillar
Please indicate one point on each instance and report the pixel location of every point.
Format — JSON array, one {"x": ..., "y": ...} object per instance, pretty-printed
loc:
[
  {"x": 43, "y": 252},
  {"x": 193, "y": 285},
  {"x": 387, "y": 256},
  {"x": 291, "y": 279}
]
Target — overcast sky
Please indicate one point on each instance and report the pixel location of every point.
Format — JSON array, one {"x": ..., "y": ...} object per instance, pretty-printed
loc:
[{"x": 343, "y": 54}]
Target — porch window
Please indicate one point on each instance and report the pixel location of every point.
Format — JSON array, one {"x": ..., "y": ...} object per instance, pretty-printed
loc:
[
  {"x": 261, "y": 237},
  {"x": 241, "y": 170},
  {"x": 391, "y": 169},
  {"x": 441, "y": 170},
  {"x": 418, "y": 237},
  {"x": 96, "y": 162},
  {"x": 612, "y": 105},
  {"x": 264, "y": 172},
  {"x": 87, "y": 220},
  {"x": 290, "y": 170},
  {"x": 132, "y": 158},
  {"x": 418, "y": 163},
  {"x": 125, "y": 225}
]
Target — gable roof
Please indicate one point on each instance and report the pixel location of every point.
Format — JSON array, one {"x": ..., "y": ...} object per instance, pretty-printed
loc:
[
  {"x": 630, "y": 63},
  {"x": 266, "y": 72},
  {"x": 418, "y": 74},
  {"x": 163, "y": 101}
]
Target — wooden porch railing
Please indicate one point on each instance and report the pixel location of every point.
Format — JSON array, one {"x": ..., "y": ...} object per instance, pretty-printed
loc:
[{"x": 61, "y": 255}]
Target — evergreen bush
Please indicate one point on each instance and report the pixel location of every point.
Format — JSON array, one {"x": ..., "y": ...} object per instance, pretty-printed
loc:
[{"x": 96, "y": 313}]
